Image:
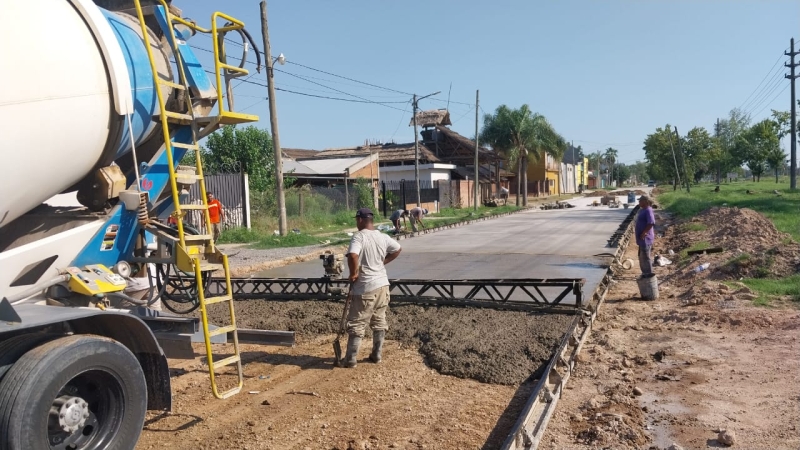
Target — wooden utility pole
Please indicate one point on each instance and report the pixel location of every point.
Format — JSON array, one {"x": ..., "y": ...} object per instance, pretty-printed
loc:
[
  {"x": 719, "y": 161},
  {"x": 477, "y": 184},
  {"x": 792, "y": 77},
  {"x": 273, "y": 120},
  {"x": 683, "y": 160},
  {"x": 677, "y": 174}
]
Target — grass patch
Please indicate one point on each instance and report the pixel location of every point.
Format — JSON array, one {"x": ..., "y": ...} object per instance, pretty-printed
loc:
[
  {"x": 297, "y": 240},
  {"x": 767, "y": 288},
  {"x": 694, "y": 226},
  {"x": 702, "y": 245},
  {"x": 738, "y": 260},
  {"x": 781, "y": 210}
]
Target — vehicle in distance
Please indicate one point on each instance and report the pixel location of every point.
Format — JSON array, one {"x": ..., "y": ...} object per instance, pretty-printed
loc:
[{"x": 651, "y": 183}]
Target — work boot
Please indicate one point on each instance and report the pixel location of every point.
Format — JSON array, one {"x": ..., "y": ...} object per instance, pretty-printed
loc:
[
  {"x": 353, "y": 343},
  {"x": 377, "y": 345}
]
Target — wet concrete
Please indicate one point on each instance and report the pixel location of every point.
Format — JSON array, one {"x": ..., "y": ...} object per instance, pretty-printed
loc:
[{"x": 490, "y": 346}]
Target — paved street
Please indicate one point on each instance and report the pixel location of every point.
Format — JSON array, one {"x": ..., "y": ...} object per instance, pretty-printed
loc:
[{"x": 531, "y": 244}]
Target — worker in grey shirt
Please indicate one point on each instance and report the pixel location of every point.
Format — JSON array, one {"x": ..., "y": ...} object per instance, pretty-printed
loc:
[
  {"x": 395, "y": 218},
  {"x": 415, "y": 215},
  {"x": 369, "y": 252}
]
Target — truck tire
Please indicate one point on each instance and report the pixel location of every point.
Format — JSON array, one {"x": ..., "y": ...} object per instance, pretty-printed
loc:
[
  {"x": 80, "y": 392},
  {"x": 13, "y": 348}
]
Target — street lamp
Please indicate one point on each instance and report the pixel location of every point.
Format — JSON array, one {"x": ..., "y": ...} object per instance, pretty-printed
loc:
[{"x": 416, "y": 142}]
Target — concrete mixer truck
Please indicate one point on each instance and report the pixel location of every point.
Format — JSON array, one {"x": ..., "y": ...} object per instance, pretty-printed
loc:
[{"x": 103, "y": 99}]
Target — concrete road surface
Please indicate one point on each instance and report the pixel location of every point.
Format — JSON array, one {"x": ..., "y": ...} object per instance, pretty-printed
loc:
[{"x": 530, "y": 244}]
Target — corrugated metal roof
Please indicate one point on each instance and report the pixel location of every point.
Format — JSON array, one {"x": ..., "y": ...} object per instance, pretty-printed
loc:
[
  {"x": 292, "y": 166},
  {"x": 332, "y": 165},
  {"x": 322, "y": 166}
]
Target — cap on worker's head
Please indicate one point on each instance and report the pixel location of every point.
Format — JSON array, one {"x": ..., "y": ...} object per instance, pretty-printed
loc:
[
  {"x": 424, "y": 211},
  {"x": 645, "y": 199},
  {"x": 364, "y": 212}
]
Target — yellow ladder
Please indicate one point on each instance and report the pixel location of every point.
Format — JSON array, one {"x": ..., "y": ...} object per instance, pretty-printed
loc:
[{"x": 197, "y": 253}]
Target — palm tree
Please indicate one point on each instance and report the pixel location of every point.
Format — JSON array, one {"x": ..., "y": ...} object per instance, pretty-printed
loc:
[
  {"x": 776, "y": 159},
  {"x": 611, "y": 157},
  {"x": 521, "y": 135}
]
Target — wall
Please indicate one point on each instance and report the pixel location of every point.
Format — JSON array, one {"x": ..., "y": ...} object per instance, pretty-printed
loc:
[
  {"x": 369, "y": 171},
  {"x": 408, "y": 174}
]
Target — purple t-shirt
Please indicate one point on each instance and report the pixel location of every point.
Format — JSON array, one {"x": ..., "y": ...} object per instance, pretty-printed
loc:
[{"x": 644, "y": 219}]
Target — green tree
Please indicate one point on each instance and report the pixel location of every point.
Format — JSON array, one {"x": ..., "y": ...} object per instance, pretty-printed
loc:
[
  {"x": 622, "y": 174},
  {"x": 776, "y": 159},
  {"x": 611, "y": 156},
  {"x": 521, "y": 135},
  {"x": 753, "y": 146},
  {"x": 728, "y": 135},
  {"x": 248, "y": 148},
  {"x": 697, "y": 147},
  {"x": 658, "y": 154}
]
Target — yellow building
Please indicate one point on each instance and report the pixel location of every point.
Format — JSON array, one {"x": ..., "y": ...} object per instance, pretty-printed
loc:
[{"x": 543, "y": 176}]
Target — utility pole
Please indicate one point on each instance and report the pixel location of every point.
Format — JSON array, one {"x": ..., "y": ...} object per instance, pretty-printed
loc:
[
  {"x": 477, "y": 185},
  {"x": 792, "y": 77},
  {"x": 719, "y": 161},
  {"x": 677, "y": 174},
  {"x": 273, "y": 120},
  {"x": 683, "y": 160},
  {"x": 415, "y": 102}
]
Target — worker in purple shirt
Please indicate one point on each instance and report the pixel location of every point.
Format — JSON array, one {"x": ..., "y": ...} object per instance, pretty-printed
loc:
[{"x": 645, "y": 235}]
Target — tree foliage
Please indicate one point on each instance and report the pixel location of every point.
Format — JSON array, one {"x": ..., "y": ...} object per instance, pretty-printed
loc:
[
  {"x": 698, "y": 154},
  {"x": 521, "y": 135},
  {"x": 248, "y": 149}
]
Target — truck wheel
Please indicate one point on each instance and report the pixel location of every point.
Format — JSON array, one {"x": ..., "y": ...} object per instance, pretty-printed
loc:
[
  {"x": 77, "y": 392},
  {"x": 13, "y": 348}
]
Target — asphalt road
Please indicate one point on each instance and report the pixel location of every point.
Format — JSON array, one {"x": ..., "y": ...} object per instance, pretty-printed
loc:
[{"x": 530, "y": 244}]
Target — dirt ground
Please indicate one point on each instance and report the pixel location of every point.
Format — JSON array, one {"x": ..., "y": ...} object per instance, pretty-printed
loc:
[
  {"x": 699, "y": 360},
  {"x": 409, "y": 401}
]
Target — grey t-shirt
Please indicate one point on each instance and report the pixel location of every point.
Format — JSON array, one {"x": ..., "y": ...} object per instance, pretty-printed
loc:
[
  {"x": 397, "y": 215},
  {"x": 371, "y": 246}
]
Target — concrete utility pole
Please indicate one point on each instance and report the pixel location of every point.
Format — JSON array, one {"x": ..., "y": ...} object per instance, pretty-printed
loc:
[
  {"x": 792, "y": 77},
  {"x": 415, "y": 102},
  {"x": 683, "y": 160},
  {"x": 477, "y": 185},
  {"x": 273, "y": 120}
]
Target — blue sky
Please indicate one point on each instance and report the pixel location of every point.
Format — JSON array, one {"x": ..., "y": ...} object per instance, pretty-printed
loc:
[{"x": 605, "y": 73}]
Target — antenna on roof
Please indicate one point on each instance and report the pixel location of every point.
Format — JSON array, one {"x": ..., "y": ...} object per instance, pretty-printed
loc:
[{"x": 448, "y": 96}]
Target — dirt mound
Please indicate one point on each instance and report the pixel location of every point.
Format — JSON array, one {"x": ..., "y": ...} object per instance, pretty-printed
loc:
[
  {"x": 499, "y": 347},
  {"x": 752, "y": 246},
  {"x": 597, "y": 193},
  {"x": 628, "y": 191}
]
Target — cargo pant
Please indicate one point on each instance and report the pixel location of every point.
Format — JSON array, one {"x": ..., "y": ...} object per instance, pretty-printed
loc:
[
  {"x": 217, "y": 228},
  {"x": 368, "y": 308},
  {"x": 645, "y": 259}
]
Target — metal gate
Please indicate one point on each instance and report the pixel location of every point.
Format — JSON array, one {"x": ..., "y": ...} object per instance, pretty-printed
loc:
[{"x": 231, "y": 189}]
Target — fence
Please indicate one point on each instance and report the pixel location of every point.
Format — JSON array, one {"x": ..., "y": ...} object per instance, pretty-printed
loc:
[
  {"x": 315, "y": 200},
  {"x": 231, "y": 189}
]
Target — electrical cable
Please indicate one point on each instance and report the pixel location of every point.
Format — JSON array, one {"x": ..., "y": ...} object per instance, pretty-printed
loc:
[
  {"x": 773, "y": 100},
  {"x": 762, "y": 80}
]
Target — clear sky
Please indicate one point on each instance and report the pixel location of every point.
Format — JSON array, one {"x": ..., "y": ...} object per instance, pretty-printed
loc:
[{"x": 604, "y": 72}]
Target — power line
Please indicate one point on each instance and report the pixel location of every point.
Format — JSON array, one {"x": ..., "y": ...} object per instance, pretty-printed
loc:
[
  {"x": 311, "y": 95},
  {"x": 334, "y": 75},
  {"x": 401, "y": 119},
  {"x": 773, "y": 100},
  {"x": 762, "y": 81},
  {"x": 765, "y": 96},
  {"x": 768, "y": 88},
  {"x": 339, "y": 91}
]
